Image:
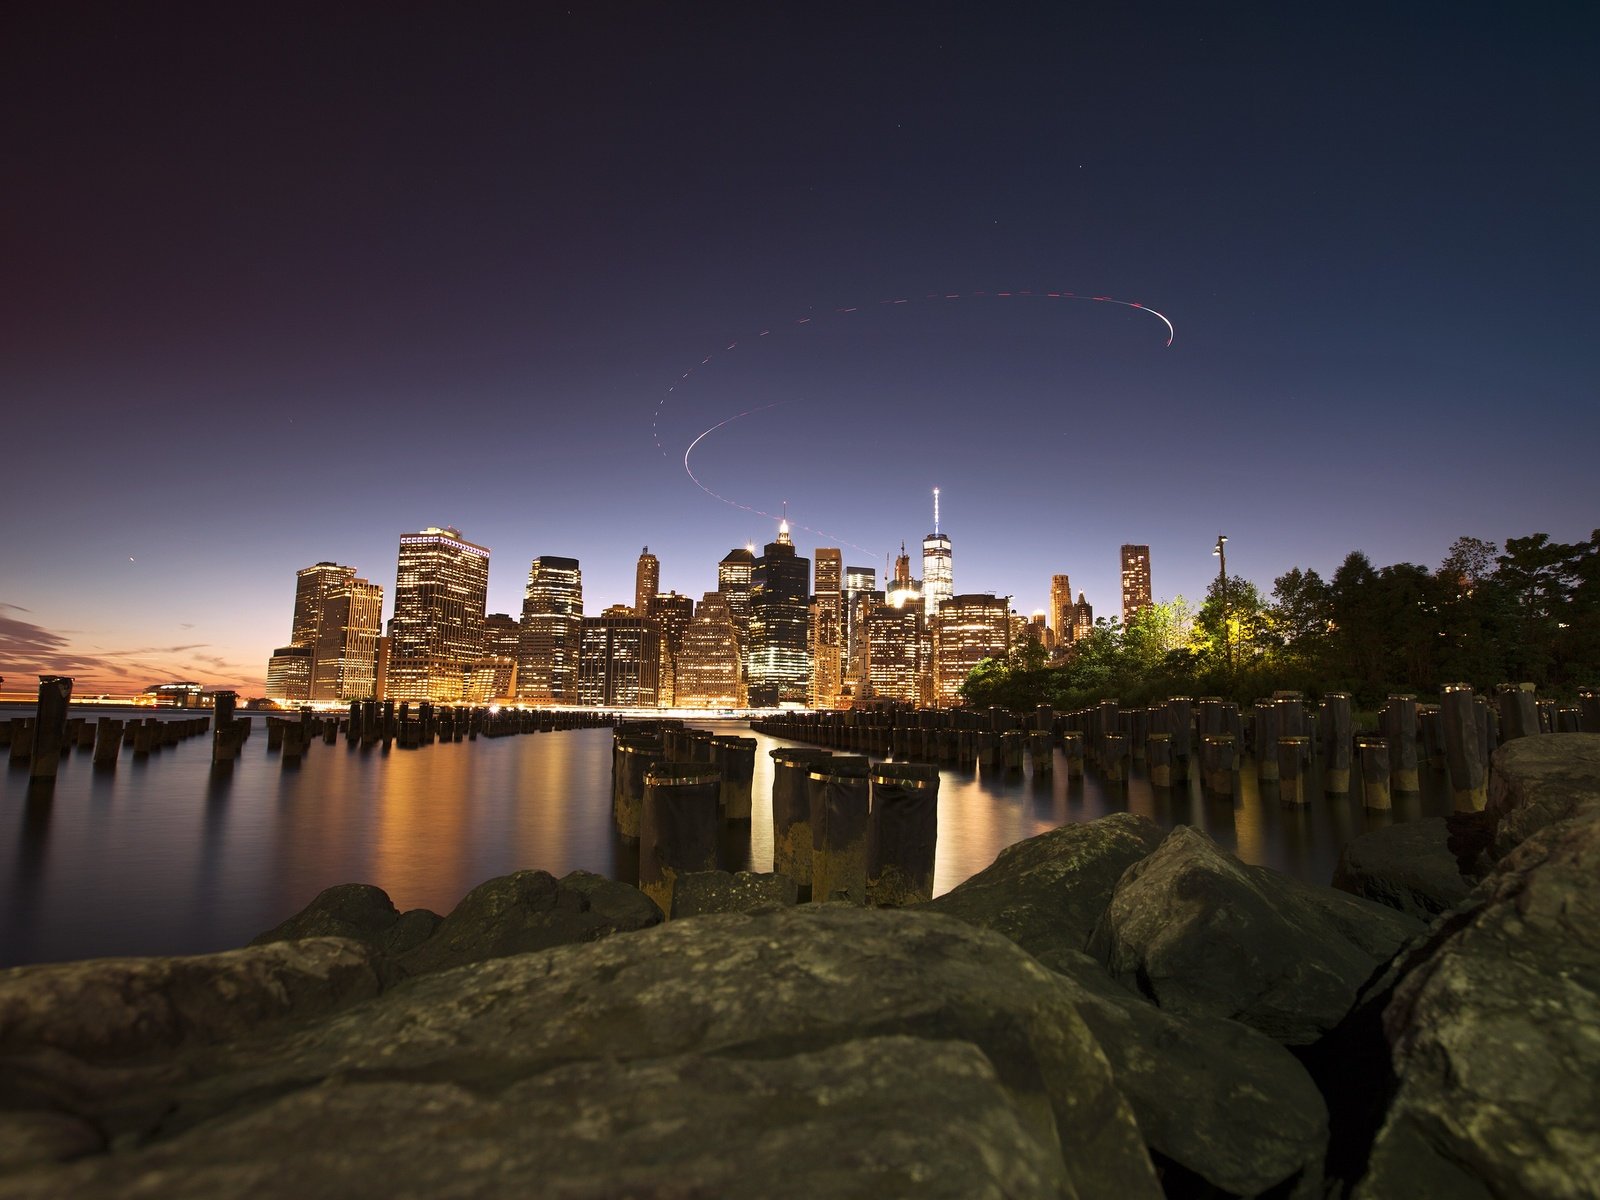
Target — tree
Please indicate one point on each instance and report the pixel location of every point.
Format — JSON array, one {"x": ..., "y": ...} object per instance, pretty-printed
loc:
[
  {"x": 1247, "y": 625},
  {"x": 1469, "y": 562},
  {"x": 1299, "y": 618}
]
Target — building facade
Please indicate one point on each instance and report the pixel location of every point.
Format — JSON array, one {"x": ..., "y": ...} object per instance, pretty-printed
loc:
[
  {"x": 345, "y": 664},
  {"x": 1061, "y": 609},
  {"x": 780, "y": 652},
  {"x": 938, "y": 570},
  {"x": 970, "y": 629},
  {"x": 620, "y": 666},
  {"x": 440, "y": 596},
  {"x": 1082, "y": 618},
  {"x": 827, "y": 630},
  {"x": 289, "y": 674},
  {"x": 550, "y": 639},
  {"x": 1135, "y": 580},
  {"x": 706, "y": 666},
  {"x": 892, "y": 647},
  {"x": 646, "y": 582}
]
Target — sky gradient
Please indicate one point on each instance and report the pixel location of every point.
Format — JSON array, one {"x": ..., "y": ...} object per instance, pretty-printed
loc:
[{"x": 285, "y": 283}]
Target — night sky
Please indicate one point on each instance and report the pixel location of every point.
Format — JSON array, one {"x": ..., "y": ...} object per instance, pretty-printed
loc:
[{"x": 281, "y": 282}]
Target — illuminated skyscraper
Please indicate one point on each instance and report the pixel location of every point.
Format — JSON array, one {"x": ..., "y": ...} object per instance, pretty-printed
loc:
[
  {"x": 494, "y": 675},
  {"x": 646, "y": 582},
  {"x": 1038, "y": 631},
  {"x": 621, "y": 662},
  {"x": 970, "y": 629},
  {"x": 892, "y": 644},
  {"x": 293, "y": 676},
  {"x": 551, "y": 636},
  {"x": 673, "y": 613},
  {"x": 289, "y": 674},
  {"x": 1135, "y": 580},
  {"x": 780, "y": 592},
  {"x": 903, "y": 589},
  {"x": 1061, "y": 609},
  {"x": 858, "y": 581},
  {"x": 344, "y": 666},
  {"x": 938, "y": 575},
  {"x": 733, "y": 581},
  {"x": 707, "y": 670},
  {"x": 439, "y": 599},
  {"x": 827, "y": 630},
  {"x": 1082, "y": 618}
]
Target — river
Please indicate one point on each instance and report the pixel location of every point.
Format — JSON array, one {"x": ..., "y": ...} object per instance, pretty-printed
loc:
[{"x": 163, "y": 857}]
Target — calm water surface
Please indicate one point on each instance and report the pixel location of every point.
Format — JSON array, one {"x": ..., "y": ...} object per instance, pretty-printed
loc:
[{"x": 160, "y": 857}]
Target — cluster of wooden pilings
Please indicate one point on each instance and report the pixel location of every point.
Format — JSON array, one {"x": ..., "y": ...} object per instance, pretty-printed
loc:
[
  {"x": 389, "y": 723},
  {"x": 992, "y": 738},
  {"x": 843, "y": 828},
  {"x": 42, "y": 741},
  {"x": 1280, "y": 737}
]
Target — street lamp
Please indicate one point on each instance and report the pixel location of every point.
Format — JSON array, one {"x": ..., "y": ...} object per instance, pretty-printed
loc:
[{"x": 1221, "y": 551}]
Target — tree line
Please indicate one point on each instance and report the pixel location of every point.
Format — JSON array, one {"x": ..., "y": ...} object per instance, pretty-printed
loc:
[{"x": 1528, "y": 612}]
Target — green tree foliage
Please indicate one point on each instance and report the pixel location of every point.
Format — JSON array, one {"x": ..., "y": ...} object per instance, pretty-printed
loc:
[{"x": 1528, "y": 613}]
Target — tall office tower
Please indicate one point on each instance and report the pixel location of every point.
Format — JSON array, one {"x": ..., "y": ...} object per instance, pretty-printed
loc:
[
  {"x": 1038, "y": 630},
  {"x": 1135, "y": 580},
  {"x": 827, "y": 630},
  {"x": 646, "y": 582},
  {"x": 938, "y": 577},
  {"x": 494, "y": 675},
  {"x": 708, "y": 674},
  {"x": 621, "y": 662},
  {"x": 857, "y": 582},
  {"x": 858, "y": 668},
  {"x": 970, "y": 629},
  {"x": 673, "y": 613},
  {"x": 345, "y": 663},
  {"x": 440, "y": 592},
  {"x": 1061, "y": 609},
  {"x": 1082, "y": 618},
  {"x": 893, "y": 648},
  {"x": 289, "y": 674},
  {"x": 311, "y": 585},
  {"x": 733, "y": 581},
  {"x": 780, "y": 653},
  {"x": 551, "y": 637},
  {"x": 903, "y": 589}
]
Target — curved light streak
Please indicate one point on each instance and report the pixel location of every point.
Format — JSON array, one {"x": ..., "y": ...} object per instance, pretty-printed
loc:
[{"x": 655, "y": 423}]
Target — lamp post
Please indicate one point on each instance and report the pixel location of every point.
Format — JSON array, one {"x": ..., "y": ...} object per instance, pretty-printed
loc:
[{"x": 1221, "y": 551}]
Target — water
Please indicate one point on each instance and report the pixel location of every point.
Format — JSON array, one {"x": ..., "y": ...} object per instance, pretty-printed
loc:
[{"x": 161, "y": 857}]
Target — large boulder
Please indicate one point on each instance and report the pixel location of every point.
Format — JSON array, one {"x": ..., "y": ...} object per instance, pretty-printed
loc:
[
  {"x": 1216, "y": 1101},
  {"x": 701, "y": 892},
  {"x": 822, "y": 1050},
  {"x": 1492, "y": 1030},
  {"x": 1047, "y": 892},
  {"x": 360, "y": 911},
  {"x": 1538, "y": 781},
  {"x": 1409, "y": 867},
  {"x": 1199, "y": 932},
  {"x": 530, "y": 910}
]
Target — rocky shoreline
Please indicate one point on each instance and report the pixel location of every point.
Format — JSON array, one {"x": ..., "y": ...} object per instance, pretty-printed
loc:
[{"x": 1103, "y": 1012}]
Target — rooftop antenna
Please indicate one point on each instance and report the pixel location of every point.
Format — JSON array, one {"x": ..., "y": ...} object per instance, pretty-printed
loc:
[{"x": 935, "y": 512}]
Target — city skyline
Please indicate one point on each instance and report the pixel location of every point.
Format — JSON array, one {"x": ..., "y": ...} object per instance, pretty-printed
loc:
[{"x": 358, "y": 274}]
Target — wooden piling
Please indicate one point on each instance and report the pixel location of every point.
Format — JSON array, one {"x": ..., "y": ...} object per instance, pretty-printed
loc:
[{"x": 904, "y": 831}]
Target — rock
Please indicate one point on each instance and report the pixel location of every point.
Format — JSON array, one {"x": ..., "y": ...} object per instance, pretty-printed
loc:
[
  {"x": 1537, "y": 781},
  {"x": 717, "y": 892},
  {"x": 359, "y": 911},
  {"x": 819, "y": 1050},
  {"x": 1201, "y": 933},
  {"x": 832, "y": 1122},
  {"x": 1409, "y": 867},
  {"x": 1047, "y": 892},
  {"x": 1491, "y": 1032},
  {"x": 525, "y": 911},
  {"x": 1214, "y": 1099}
]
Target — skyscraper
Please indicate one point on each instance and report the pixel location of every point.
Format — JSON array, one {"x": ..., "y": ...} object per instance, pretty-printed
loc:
[
  {"x": 970, "y": 629},
  {"x": 892, "y": 645},
  {"x": 1082, "y": 618},
  {"x": 1135, "y": 580},
  {"x": 494, "y": 675},
  {"x": 707, "y": 671},
  {"x": 293, "y": 676},
  {"x": 344, "y": 666},
  {"x": 673, "y": 613},
  {"x": 646, "y": 582},
  {"x": 440, "y": 591},
  {"x": 1061, "y": 609},
  {"x": 621, "y": 662},
  {"x": 858, "y": 581},
  {"x": 733, "y": 581},
  {"x": 938, "y": 576},
  {"x": 780, "y": 592},
  {"x": 827, "y": 630},
  {"x": 551, "y": 636}
]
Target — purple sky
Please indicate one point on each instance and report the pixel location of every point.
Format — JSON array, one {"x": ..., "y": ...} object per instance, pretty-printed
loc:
[{"x": 284, "y": 283}]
